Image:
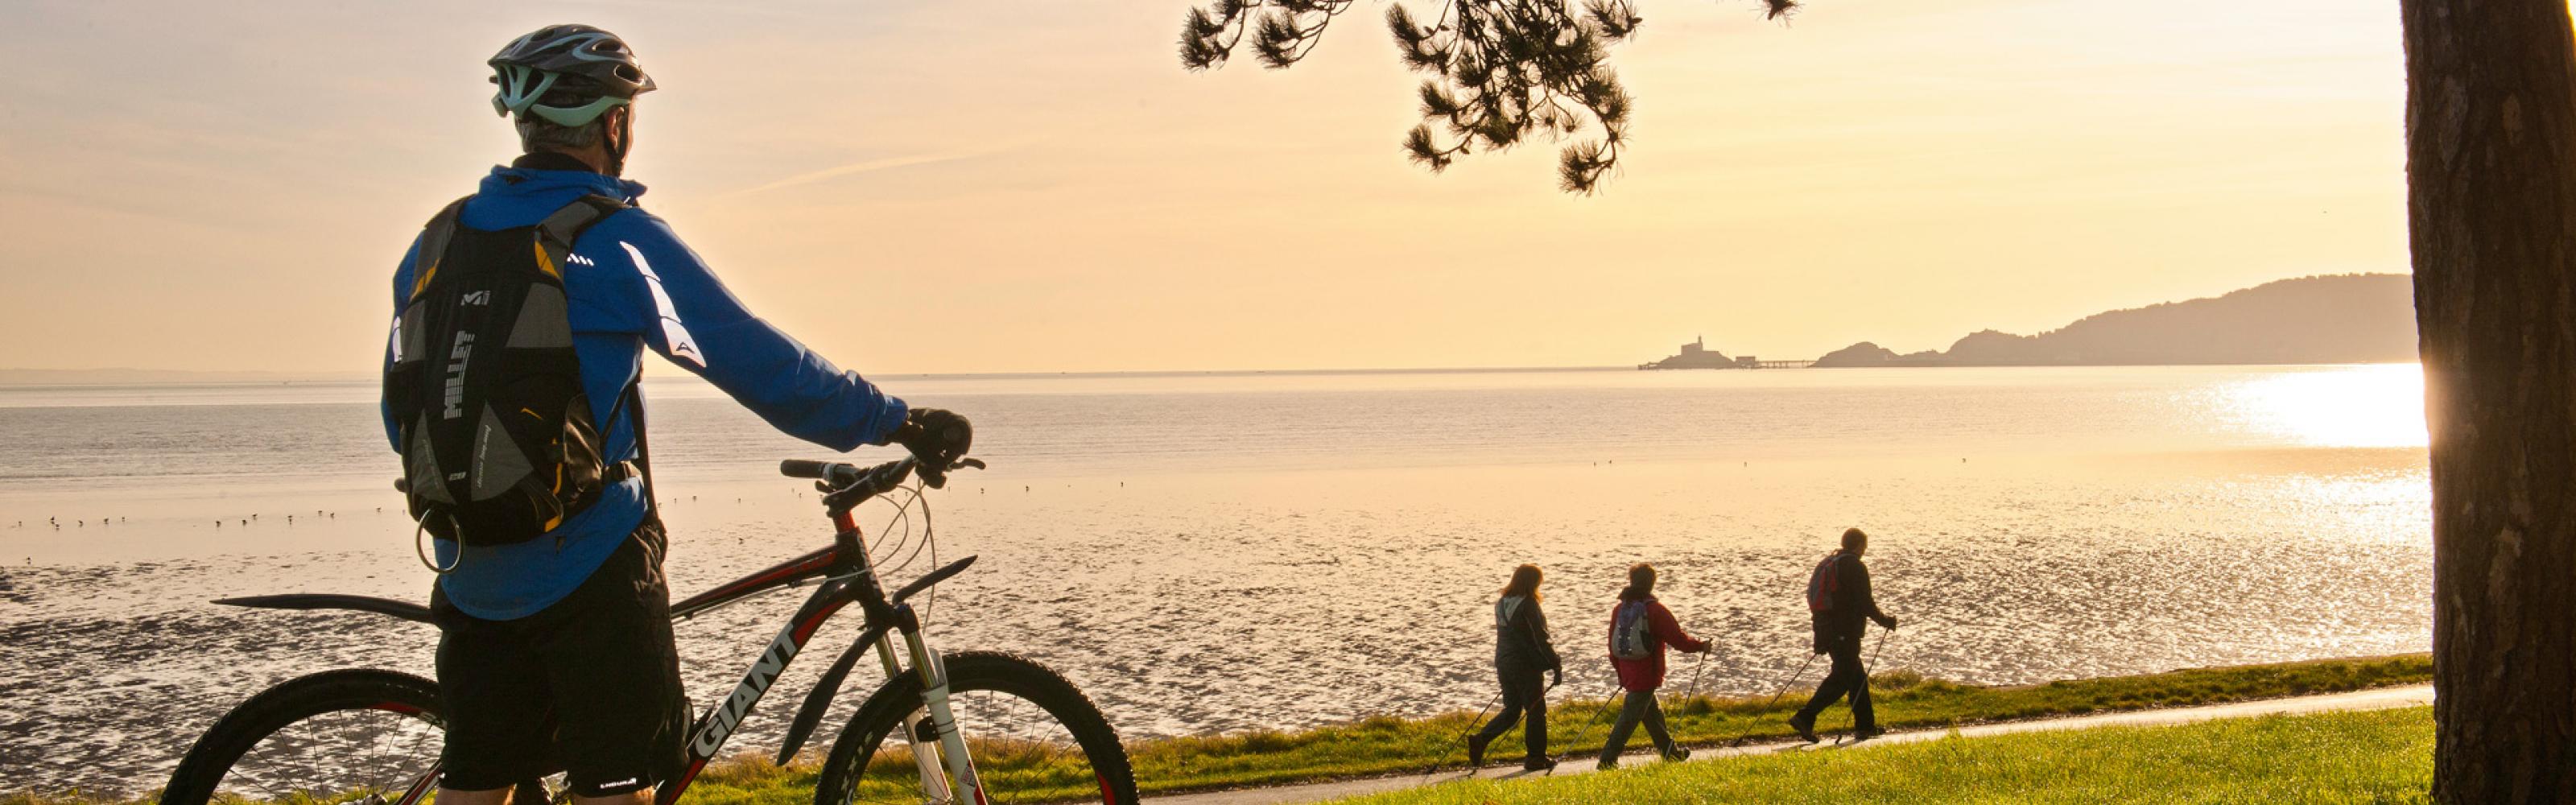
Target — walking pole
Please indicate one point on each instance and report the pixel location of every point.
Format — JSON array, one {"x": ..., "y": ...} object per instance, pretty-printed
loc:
[
  {"x": 1702, "y": 665},
  {"x": 1587, "y": 727},
  {"x": 1462, "y": 736},
  {"x": 1865, "y": 665},
  {"x": 1785, "y": 685},
  {"x": 1873, "y": 651}
]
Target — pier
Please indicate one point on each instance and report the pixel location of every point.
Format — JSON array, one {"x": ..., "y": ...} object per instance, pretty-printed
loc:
[{"x": 1697, "y": 355}]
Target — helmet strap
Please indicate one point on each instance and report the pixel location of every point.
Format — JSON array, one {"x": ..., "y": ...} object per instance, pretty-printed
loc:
[{"x": 617, "y": 146}]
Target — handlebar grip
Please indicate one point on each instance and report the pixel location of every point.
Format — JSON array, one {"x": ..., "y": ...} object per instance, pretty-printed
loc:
[{"x": 817, "y": 470}]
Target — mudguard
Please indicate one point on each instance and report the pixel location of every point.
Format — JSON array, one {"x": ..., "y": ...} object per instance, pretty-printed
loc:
[
  {"x": 820, "y": 698},
  {"x": 382, "y": 606}
]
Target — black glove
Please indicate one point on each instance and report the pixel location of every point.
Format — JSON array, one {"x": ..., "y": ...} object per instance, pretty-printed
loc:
[
  {"x": 1555, "y": 677},
  {"x": 1888, "y": 622},
  {"x": 937, "y": 439}
]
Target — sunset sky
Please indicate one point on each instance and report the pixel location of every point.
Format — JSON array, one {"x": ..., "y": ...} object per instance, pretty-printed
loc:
[{"x": 1039, "y": 186}]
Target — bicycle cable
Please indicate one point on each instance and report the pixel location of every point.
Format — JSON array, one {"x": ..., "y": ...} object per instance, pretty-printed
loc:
[
  {"x": 902, "y": 514},
  {"x": 913, "y": 498}
]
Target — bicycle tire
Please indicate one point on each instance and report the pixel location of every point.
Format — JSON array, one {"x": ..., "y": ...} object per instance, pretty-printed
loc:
[
  {"x": 1000, "y": 675},
  {"x": 203, "y": 771}
]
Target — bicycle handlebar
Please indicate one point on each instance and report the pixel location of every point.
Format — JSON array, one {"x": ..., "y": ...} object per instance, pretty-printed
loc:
[
  {"x": 831, "y": 472},
  {"x": 846, "y": 485}
]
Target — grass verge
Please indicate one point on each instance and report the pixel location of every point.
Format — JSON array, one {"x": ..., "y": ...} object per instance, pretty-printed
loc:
[
  {"x": 1387, "y": 745},
  {"x": 2383, "y": 758},
  {"x": 1904, "y": 700}
]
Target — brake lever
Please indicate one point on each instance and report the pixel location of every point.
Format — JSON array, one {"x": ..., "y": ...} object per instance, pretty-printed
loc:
[{"x": 938, "y": 479}]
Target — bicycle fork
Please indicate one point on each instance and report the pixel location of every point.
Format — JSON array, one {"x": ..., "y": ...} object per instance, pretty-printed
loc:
[{"x": 942, "y": 754}]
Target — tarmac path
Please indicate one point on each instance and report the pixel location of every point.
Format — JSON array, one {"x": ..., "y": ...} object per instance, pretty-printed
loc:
[{"x": 2374, "y": 699}]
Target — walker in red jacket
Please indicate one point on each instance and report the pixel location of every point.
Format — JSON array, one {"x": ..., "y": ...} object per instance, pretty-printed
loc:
[{"x": 1640, "y": 677}]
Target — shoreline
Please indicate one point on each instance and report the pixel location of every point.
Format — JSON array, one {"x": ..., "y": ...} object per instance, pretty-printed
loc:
[{"x": 139, "y": 378}]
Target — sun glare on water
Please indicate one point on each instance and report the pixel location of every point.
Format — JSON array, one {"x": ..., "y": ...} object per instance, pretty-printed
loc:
[{"x": 2361, "y": 406}]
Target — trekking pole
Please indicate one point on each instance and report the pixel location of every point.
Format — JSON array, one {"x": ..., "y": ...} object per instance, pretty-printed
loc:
[
  {"x": 1865, "y": 667},
  {"x": 1873, "y": 650},
  {"x": 1443, "y": 757},
  {"x": 1693, "y": 691},
  {"x": 1587, "y": 727},
  {"x": 1785, "y": 685}
]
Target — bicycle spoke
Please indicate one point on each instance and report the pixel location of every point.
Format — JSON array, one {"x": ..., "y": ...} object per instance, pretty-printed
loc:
[
  {"x": 333, "y": 758},
  {"x": 1021, "y": 753}
]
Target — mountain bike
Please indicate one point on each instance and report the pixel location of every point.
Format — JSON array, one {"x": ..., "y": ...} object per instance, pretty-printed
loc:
[{"x": 970, "y": 727}]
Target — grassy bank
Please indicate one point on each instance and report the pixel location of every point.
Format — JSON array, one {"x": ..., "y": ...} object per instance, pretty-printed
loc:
[
  {"x": 2381, "y": 758},
  {"x": 1381, "y": 746},
  {"x": 1386, "y": 745},
  {"x": 1904, "y": 701}
]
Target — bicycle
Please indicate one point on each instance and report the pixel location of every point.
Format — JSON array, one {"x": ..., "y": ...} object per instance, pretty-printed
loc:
[{"x": 372, "y": 736}]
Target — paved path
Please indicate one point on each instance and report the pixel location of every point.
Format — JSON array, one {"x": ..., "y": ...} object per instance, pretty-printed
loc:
[{"x": 2378, "y": 699}]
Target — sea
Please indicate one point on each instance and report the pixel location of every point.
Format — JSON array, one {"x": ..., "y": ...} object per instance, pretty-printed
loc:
[{"x": 1217, "y": 552}]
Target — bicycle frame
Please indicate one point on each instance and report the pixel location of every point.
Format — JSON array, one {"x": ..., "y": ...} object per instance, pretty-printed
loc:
[{"x": 848, "y": 578}]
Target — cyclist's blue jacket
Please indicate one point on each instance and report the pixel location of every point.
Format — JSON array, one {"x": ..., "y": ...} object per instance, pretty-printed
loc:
[{"x": 631, "y": 283}]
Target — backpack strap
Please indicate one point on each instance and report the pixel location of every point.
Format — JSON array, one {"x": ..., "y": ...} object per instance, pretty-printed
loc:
[
  {"x": 433, "y": 245},
  {"x": 643, "y": 451},
  {"x": 557, "y": 233},
  {"x": 555, "y": 238}
]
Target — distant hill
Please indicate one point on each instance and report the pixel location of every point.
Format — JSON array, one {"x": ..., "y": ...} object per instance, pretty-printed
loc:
[{"x": 2347, "y": 318}]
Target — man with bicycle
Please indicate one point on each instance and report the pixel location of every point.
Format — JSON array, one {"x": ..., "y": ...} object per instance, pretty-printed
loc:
[{"x": 556, "y": 650}]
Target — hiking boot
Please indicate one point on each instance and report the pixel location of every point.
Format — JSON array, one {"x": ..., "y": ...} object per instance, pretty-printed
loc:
[
  {"x": 1679, "y": 754},
  {"x": 1866, "y": 733},
  {"x": 1606, "y": 764},
  {"x": 1476, "y": 751},
  {"x": 1805, "y": 726},
  {"x": 1539, "y": 764}
]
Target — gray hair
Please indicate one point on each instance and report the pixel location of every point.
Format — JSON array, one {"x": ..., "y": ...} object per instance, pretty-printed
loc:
[{"x": 538, "y": 134}]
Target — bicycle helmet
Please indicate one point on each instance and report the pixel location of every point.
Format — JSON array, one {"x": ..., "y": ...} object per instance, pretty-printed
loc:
[{"x": 567, "y": 74}]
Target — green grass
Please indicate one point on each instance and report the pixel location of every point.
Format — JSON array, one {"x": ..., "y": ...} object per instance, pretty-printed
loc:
[
  {"x": 1387, "y": 745},
  {"x": 1904, "y": 700},
  {"x": 2382, "y": 757}
]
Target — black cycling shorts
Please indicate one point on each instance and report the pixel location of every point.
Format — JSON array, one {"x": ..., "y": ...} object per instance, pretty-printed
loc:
[{"x": 589, "y": 686}]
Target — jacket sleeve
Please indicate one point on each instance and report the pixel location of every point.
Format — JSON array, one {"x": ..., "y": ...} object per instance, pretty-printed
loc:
[
  {"x": 1669, "y": 629},
  {"x": 1855, "y": 586},
  {"x": 696, "y": 323},
  {"x": 1537, "y": 625}
]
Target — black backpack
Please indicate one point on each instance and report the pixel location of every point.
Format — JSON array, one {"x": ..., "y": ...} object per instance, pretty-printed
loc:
[{"x": 498, "y": 445}]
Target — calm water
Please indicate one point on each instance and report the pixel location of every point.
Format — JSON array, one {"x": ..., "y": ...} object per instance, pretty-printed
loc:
[{"x": 1217, "y": 552}]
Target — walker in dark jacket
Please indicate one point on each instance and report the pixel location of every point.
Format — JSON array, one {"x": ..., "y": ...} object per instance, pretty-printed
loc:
[
  {"x": 1839, "y": 629},
  {"x": 1640, "y": 677},
  {"x": 1522, "y": 652}
]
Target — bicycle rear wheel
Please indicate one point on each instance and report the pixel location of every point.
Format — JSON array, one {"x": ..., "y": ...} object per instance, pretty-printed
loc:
[
  {"x": 1034, "y": 738},
  {"x": 332, "y": 737}
]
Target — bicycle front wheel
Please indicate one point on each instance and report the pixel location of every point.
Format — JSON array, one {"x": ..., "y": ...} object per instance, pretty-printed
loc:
[
  {"x": 1033, "y": 736},
  {"x": 332, "y": 737}
]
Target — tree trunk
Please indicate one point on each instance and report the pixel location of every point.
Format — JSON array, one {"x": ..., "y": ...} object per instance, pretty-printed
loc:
[{"x": 2491, "y": 175}]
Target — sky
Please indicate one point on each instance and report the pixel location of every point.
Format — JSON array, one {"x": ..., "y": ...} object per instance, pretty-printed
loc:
[{"x": 976, "y": 186}]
